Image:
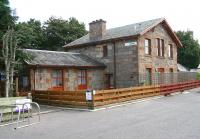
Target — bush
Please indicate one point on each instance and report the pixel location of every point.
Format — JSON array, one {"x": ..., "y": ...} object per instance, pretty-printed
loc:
[{"x": 198, "y": 75}]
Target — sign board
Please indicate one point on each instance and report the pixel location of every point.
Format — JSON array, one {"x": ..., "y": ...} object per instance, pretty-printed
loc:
[
  {"x": 131, "y": 43},
  {"x": 88, "y": 95}
]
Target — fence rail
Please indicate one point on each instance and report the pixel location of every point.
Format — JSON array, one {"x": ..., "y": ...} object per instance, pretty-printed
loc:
[
  {"x": 61, "y": 98},
  {"x": 105, "y": 97}
]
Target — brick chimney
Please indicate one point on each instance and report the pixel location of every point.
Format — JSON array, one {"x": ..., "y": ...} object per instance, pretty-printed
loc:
[{"x": 97, "y": 29}]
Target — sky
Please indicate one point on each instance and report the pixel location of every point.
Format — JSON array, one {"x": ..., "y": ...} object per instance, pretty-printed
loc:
[{"x": 181, "y": 14}]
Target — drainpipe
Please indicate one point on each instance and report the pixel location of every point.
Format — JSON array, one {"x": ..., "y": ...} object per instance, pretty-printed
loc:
[
  {"x": 34, "y": 79},
  {"x": 114, "y": 65}
]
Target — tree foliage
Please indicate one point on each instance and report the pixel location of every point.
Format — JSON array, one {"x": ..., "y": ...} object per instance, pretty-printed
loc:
[
  {"x": 189, "y": 55},
  {"x": 58, "y": 32},
  {"x": 52, "y": 35},
  {"x": 6, "y": 19},
  {"x": 30, "y": 34}
]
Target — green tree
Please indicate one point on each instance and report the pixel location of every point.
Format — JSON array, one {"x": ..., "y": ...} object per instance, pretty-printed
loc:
[
  {"x": 189, "y": 55},
  {"x": 58, "y": 32},
  {"x": 6, "y": 19},
  {"x": 30, "y": 34}
]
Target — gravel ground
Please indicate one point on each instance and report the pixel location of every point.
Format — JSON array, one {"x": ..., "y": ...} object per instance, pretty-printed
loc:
[{"x": 175, "y": 117}]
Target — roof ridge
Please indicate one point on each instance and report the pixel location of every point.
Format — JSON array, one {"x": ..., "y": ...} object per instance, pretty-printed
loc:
[
  {"x": 135, "y": 23},
  {"x": 48, "y": 51}
]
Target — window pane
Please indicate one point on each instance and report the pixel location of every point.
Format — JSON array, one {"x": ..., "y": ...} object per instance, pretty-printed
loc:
[
  {"x": 83, "y": 81},
  {"x": 147, "y": 46},
  {"x": 158, "y": 46},
  {"x": 146, "y": 42},
  {"x": 146, "y": 50},
  {"x": 56, "y": 78},
  {"x": 169, "y": 52},
  {"x": 82, "y": 77},
  {"x": 105, "y": 51},
  {"x": 162, "y": 47}
]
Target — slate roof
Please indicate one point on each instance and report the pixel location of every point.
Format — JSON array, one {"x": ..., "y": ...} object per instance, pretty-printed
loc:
[
  {"x": 181, "y": 68},
  {"x": 135, "y": 29},
  {"x": 55, "y": 58},
  {"x": 119, "y": 32}
]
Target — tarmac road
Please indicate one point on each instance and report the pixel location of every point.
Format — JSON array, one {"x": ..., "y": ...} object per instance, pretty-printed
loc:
[{"x": 173, "y": 117}]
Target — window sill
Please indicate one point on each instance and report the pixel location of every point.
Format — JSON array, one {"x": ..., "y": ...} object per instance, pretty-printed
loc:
[
  {"x": 170, "y": 58},
  {"x": 161, "y": 57},
  {"x": 147, "y": 55}
]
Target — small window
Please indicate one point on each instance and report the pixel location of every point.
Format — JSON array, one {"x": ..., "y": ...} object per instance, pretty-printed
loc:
[
  {"x": 147, "y": 46},
  {"x": 25, "y": 81},
  {"x": 105, "y": 51},
  {"x": 170, "y": 51},
  {"x": 160, "y": 70},
  {"x": 56, "y": 78},
  {"x": 162, "y": 47},
  {"x": 82, "y": 77},
  {"x": 99, "y": 51},
  {"x": 158, "y": 46}
]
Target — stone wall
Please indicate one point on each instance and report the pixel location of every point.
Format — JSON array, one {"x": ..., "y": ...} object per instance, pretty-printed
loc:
[
  {"x": 126, "y": 64},
  {"x": 126, "y": 60},
  {"x": 153, "y": 61},
  {"x": 95, "y": 79},
  {"x": 131, "y": 60},
  {"x": 43, "y": 80}
]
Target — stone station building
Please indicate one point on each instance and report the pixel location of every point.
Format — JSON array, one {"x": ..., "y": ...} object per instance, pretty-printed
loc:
[{"x": 107, "y": 58}]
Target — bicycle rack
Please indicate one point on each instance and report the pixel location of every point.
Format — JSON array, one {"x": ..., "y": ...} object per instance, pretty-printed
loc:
[
  {"x": 12, "y": 112},
  {"x": 29, "y": 115},
  {"x": 21, "y": 113}
]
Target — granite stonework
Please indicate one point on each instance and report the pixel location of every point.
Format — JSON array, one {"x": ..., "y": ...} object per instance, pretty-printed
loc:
[
  {"x": 153, "y": 61},
  {"x": 130, "y": 61}
]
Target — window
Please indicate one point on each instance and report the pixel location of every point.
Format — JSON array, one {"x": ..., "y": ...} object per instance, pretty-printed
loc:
[
  {"x": 160, "y": 47},
  {"x": 99, "y": 51},
  {"x": 148, "y": 76},
  {"x": 82, "y": 79},
  {"x": 170, "y": 51},
  {"x": 147, "y": 46},
  {"x": 25, "y": 81},
  {"x": 105, "y": 51},
  {"x": 56, "y": 78},
  {"x": 161, "y": 70}
]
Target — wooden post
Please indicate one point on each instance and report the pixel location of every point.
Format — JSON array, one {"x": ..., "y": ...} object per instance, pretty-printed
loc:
[{"x": 17, "y": 86}]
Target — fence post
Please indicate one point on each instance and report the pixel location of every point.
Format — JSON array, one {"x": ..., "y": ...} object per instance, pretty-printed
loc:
[{"x": 17, "y": 86}]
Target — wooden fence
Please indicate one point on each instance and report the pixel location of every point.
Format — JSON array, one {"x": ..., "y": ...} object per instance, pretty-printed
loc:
[
  {"x": 62, "y": 98},
  {"x": 105, "y": 97},
  {"x": 171, "y": 88}
]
